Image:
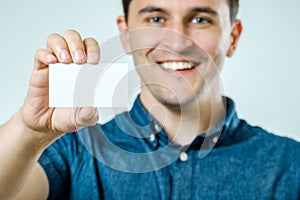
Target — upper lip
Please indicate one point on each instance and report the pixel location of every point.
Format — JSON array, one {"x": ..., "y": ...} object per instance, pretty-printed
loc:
[{"x": 162, "y": 61}]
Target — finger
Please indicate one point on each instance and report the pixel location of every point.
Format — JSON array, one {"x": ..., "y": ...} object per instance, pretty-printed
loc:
[
  {"x": 92, "y": 50},
  {"x": 59, "y": 47},
  {"x": 76, "y": 46},
  {"x": 43, "y": 58}
]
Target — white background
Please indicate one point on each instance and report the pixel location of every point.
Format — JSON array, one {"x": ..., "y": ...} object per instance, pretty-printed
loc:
[{"x": 262, "y": 77}]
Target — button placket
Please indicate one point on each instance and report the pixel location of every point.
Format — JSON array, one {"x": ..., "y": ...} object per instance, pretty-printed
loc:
[
  {"x": 156, "y": 127},
  {"x": 152, "y": 138}
]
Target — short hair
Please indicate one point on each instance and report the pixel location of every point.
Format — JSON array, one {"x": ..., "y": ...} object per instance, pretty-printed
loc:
[{"x": 233, "y": 8}]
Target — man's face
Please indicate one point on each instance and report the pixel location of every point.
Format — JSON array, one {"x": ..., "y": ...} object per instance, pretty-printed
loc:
[{"x": 178, "y": 46}]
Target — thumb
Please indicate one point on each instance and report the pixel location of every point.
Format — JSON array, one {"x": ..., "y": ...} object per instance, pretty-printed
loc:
[{"x": 86, "y": 117}]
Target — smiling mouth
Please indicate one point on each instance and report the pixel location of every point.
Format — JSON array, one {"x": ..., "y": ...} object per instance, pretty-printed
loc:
[{"x": 177, "y": 66}]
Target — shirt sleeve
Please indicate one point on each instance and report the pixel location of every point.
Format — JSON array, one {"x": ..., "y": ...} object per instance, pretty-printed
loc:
[{"x": 57, "y": 161}]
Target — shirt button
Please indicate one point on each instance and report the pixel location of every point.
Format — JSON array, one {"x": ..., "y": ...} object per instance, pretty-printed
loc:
[
  {"x": 152, "y": 138},
  {"x": 183, "y": 157},
  {"x": 215, "y": 139},
  {"x": 157, "y": 128}
]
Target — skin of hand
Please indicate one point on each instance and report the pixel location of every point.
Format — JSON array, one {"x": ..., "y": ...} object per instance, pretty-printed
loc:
[{"x": 35, "y": 112}]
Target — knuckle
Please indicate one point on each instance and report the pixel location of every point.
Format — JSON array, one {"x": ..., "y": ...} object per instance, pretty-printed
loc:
[
  {"x": 55, "y": 41},
  {"x": 39, "y": 53},
  {"x": 71, "y": 34},
  {"x": 53, "y": 37},
  {"x": 91, "y": 42}
]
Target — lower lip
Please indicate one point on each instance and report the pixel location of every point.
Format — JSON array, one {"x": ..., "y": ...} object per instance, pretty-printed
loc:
[{"x": 186, "y": 71}]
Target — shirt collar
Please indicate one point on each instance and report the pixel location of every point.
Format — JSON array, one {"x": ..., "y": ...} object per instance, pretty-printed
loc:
[
  {"x": 139, "y": 114},
  {"x": 219, "y": 136}
]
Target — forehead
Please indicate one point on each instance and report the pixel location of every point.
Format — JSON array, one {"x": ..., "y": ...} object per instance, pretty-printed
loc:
[{"x": 179, "y": 6}]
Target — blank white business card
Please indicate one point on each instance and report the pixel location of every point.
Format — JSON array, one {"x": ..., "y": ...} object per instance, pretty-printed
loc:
[{"x": 102, "y": 85}]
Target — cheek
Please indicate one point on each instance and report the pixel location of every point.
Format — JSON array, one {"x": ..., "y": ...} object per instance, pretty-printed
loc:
[
  {"x": 142, "y": 64},
  {"x": 214, "y": 46},
  {"x": 142, "y": 42},
  {"x": 210, "y": 43},
  {"x": 144, "y": 38}
]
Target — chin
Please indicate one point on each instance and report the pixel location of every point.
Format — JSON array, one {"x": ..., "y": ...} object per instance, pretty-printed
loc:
[{"x": 176, "y": 102}]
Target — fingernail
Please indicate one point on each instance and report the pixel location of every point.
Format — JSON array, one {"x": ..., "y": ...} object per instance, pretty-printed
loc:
[
  {"x": 78, "y": 54},
  {"x": 93, "y": 58},
  {"x": 64, "y": 55}
]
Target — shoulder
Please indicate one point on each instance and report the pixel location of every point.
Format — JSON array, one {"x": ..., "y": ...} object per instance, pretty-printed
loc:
[
  {"x": 267, "y": 136},
  {"x": 269, "y": 144}
]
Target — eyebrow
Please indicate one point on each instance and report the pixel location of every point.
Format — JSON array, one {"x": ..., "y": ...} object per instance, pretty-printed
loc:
[
  {"x": 207, "y": 10},
  {"x": 151, "y": 9}
]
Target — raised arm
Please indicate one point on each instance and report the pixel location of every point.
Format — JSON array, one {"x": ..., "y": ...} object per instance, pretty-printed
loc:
[{"x": 35, "y": 126}]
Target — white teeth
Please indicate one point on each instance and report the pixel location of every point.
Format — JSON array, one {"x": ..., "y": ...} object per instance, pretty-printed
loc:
[{"x": 176, "y": 65}]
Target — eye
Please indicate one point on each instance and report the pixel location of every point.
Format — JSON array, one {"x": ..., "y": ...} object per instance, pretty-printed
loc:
[
  {"x": 200, "y": 20},
  {"x": 156, "y": 20}
]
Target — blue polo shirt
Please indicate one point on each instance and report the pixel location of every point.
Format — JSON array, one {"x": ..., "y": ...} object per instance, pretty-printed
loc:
[{"x": 131, "y": 157}]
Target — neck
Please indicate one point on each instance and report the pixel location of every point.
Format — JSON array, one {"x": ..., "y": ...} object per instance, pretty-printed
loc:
[{"x": 183, "y": 125}]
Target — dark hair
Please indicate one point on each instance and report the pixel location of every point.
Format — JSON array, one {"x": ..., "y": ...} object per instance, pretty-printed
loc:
[{"x": 233, "y": 6}]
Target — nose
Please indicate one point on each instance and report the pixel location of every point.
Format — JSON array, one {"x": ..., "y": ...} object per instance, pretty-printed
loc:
[{"x": 176, "y": 39}]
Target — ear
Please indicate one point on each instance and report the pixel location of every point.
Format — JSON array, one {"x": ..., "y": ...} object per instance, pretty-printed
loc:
[
  {"x": 124, "y": 35},
  {"x": 236, "y": 32}
]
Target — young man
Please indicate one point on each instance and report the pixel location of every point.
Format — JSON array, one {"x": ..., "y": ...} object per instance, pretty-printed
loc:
[{"x": 171, "y": 137}]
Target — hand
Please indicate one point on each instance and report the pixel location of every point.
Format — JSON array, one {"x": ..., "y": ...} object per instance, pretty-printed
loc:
[{"x": 35, "y": 112}]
